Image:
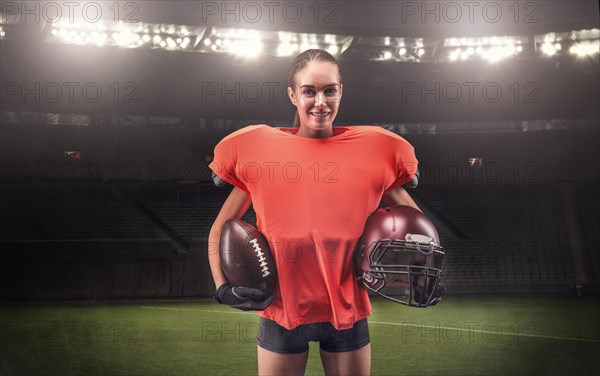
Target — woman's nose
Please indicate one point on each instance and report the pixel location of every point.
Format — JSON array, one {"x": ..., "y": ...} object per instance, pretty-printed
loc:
[{"x": 320, "y": 98}]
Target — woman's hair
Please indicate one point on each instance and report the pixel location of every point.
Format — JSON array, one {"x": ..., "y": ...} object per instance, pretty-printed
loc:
[{"x": 300, "y": 62}]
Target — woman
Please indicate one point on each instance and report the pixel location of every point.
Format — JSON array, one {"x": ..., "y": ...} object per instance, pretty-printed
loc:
[{"x": 312, "y": 188}]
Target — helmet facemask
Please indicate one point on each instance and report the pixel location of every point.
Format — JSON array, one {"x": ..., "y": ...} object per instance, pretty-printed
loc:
[{"x": 412, "y": 265}]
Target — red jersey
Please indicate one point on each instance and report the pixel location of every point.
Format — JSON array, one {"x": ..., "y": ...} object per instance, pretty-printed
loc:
[{"x": 312, "y": 197}]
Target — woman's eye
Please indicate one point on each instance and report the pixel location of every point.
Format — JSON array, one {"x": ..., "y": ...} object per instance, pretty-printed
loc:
[{"x": 327, "y": 92}]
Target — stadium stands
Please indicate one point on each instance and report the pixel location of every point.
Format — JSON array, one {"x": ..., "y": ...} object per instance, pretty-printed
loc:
[
  {"x": 139, "y": 193},
  {"x": 513, "y": 235},
  {"x": 154, "y": 153},
  {"x": 589, "y": 206},
  {"x": 68, "y": 212}
]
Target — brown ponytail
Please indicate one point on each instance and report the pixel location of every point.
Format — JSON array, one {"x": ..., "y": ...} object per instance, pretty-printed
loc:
[{"x": 300, "y": 62}]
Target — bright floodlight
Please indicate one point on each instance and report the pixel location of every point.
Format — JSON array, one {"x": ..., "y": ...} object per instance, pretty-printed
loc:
[
  {"x": 492, "y": 48},
  {"x": 548, "y": 49},
  {"x": 248, "y": 42},
  {"x": 587, "y": 48},
  {"x": 333, "y": 49},
  {"x": 392, "y": 48},
  {"x": 247, "y": 48},
  {"x": 578, "y": 42},
  {"x": 123, "y": 34}
]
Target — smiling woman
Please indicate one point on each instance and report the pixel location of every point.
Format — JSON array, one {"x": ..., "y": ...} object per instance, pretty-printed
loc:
[{"x": 312, "y": 188}]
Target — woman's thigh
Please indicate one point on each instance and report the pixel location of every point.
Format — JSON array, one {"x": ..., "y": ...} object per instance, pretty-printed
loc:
[
  {"x": 272, "y": 363},
  {"x": 357, "y": 362}
]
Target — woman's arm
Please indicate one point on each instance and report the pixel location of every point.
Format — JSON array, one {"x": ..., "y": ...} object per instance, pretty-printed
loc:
[
  {"x": 399, "y": 196},
  {"x": 236, "y": 205}
]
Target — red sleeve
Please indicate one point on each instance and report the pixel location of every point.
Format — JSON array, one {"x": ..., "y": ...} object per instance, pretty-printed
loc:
[
  {"x": 406, "y": 162},
  {"x": 225, "y": 161}
]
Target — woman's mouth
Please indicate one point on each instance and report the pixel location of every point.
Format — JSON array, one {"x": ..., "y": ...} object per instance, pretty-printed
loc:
[{"x": 320, "y": 115}]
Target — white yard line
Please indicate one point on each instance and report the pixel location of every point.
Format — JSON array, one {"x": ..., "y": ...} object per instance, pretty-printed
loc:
[{"x": 499, "y": 333}]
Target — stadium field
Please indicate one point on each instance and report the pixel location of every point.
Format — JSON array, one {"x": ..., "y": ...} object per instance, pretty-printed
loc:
[{"x": 460, "y": 336}]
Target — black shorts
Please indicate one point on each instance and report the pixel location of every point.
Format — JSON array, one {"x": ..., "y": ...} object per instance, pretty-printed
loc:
[{"x": 274, "y": 337}]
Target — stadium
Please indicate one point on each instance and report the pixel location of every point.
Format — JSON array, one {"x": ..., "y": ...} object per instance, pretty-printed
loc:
[{"x": 109, "y": 117}]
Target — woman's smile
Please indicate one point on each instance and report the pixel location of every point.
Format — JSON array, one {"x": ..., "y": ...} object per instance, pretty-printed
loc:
[{"x": 322, "y": 115}]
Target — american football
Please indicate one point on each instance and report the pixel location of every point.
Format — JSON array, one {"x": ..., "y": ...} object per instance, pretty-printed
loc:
[{"x": 246, "y": 256}]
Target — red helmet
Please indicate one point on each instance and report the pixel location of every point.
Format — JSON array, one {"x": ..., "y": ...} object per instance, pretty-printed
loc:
[{"x": 399, "y": 254}]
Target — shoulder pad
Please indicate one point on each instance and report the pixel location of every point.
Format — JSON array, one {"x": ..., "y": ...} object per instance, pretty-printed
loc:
[
  {"x": 414, "y": 182},
  {"x": 218, "y": 181}
]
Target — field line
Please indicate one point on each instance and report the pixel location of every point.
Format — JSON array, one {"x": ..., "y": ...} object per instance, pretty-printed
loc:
[
  {"x": 408, "y": 324},
  {"x": 488, "y": 331}
]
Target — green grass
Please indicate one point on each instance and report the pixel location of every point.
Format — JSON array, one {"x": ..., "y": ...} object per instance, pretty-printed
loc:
[{"x": 460, "y": 336}]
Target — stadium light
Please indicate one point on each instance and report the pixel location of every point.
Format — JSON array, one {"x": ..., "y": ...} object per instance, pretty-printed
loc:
[
  {"x": 241, "y": 42},
  {"x": 492, "y": 49},
  {"x": 248, "y": 42},
  {"x": 251, "y": 43},
  {"x": 587, "y": 48},
  {"x": 126, "y": 35},
  {"x": 392, "y": 48},
  {"x": 549, "y": 49},
  {"x": 12, "y": 27},
  {"x": 580, "y": 43},
  {"x": 475, "y": 161}
]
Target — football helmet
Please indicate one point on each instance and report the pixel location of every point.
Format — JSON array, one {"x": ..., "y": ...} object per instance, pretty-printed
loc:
[{"x": 399, "y": 257}]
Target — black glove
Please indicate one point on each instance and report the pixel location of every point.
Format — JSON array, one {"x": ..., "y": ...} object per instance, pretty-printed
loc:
[{"x": 243, "y": 298}]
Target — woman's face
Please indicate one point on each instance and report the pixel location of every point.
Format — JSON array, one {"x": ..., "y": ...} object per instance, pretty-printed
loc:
[{"x": 318, "y": 92}]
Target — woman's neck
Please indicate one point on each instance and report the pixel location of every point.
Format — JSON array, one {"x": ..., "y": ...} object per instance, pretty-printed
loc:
[{"x": 306, "y": 132}]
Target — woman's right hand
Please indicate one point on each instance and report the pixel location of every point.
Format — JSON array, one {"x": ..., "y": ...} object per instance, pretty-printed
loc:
[{"x": 243, "y": 298}]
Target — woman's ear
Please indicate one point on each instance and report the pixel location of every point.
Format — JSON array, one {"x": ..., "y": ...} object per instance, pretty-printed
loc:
[{"x": 292, "y": 94}]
